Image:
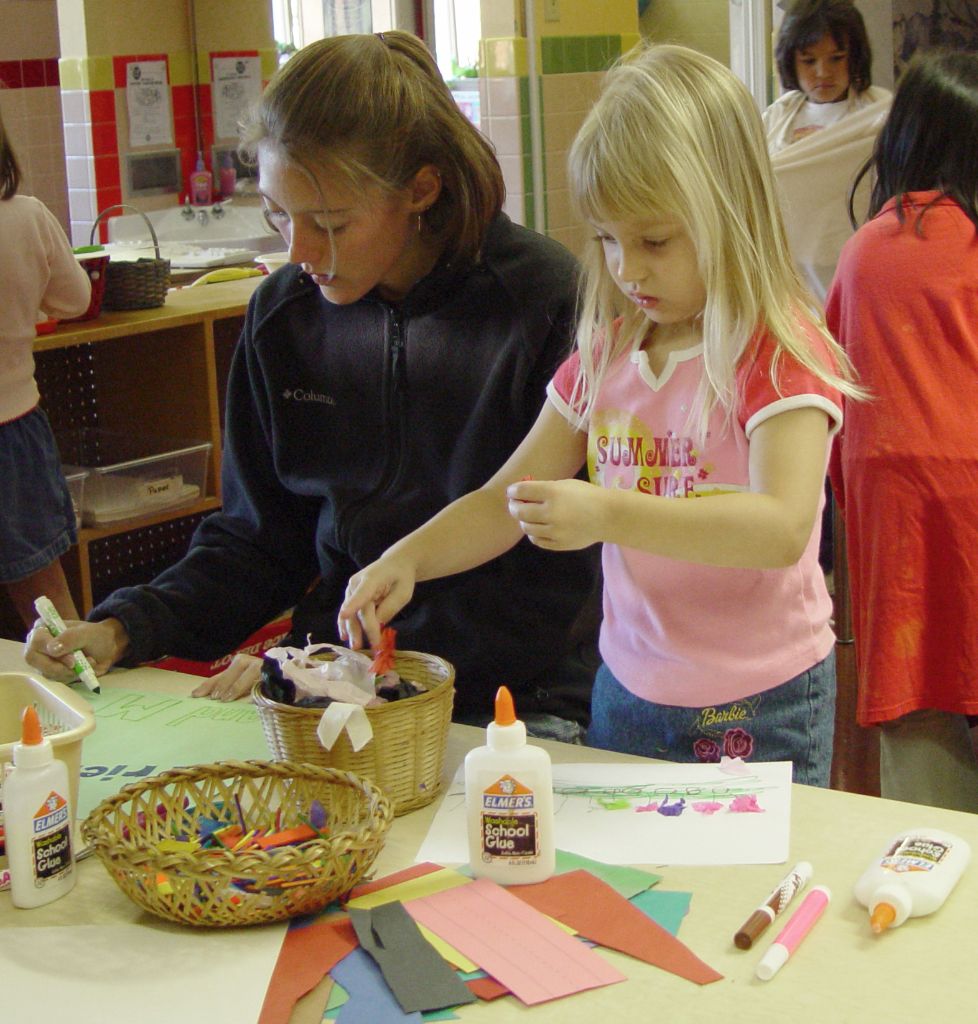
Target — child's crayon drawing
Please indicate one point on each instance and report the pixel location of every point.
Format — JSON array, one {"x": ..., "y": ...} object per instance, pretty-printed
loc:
[{"x": 651, "y": 814}]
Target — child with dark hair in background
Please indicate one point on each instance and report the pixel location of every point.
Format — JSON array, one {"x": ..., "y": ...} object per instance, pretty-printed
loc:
[
  {"x": 38, "y": 273},
  {"x": 904, "y": 304},
  {"x": 821, "y": 130}
]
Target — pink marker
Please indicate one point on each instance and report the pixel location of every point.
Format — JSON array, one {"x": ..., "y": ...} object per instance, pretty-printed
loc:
[{"x": 801, "y": 923}]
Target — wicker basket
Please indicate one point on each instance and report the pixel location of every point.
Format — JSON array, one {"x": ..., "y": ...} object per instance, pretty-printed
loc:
[
  {"x": 134, "y": 284},
  {"x": 220, "y": 887},
  {"x": 407, "y": 752}
]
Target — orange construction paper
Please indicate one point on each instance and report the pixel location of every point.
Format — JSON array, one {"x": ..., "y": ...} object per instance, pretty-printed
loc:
[
  {"x": 487, "y": 988},
  {"x": 599, "y": 913},
  {"x": 309, "y": 951},
  {"x": 406, "y": 875}
]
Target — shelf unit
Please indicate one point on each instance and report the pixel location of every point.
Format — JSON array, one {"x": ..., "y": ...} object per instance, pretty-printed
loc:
[{"x": 159, "y": 373}]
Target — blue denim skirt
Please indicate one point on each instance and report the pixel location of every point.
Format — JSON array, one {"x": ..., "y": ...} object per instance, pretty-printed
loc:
[
  {"x": 791, "y": 722},
  {"x": 37, "y": 522}
]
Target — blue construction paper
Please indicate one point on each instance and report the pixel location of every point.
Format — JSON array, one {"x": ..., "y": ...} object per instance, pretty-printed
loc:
[
  {"x": 371, "y": 1001},
  {"x": 665, "y": 908}
]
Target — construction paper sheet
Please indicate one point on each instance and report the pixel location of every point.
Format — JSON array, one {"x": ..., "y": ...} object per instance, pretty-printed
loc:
[
  {"x": 311, "y": 948},
  {"x": 386, "y": 881},
  {"x": 419, "y": 978},
  {"x": 664, "y": 907},
  {"x": 405, "y": 889},
  {"x": 625, "y": 880},
  {"x": 410, "y": 884},
  {"x": 371, "y": 1001},
  {"x": 696, "y": 814},
  {"x": 141, "y": 734},
  {"x": 606, "y": 917},
  {"x": 94, "y": 974},
  {"x": 512, "y": 942},
  {"x": 487, "y": 988}
]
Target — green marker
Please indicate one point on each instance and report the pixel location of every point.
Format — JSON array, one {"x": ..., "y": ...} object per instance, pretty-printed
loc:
[{"x": 56, "y": 626}]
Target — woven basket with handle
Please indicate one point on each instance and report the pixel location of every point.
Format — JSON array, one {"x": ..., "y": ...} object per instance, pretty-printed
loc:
[
  {"x": 220, "y": 887},
  {"x": 134, "y": 284},
  {"x": 407, "y": 752}
]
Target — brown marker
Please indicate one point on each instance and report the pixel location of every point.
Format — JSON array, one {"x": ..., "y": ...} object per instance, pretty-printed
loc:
[{"x": 793, "y": 882}]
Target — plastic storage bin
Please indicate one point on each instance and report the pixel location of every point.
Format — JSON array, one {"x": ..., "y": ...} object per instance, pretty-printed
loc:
[
  {"x": 75, "y": 479},
  {"x": 66, "y": 719},
  {"x": 130, "y": 477}
]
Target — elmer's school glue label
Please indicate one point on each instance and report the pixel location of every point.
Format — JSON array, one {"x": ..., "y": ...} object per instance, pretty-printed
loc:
[
  {"x": 509, "y": 803},
  {"x": 37, "y": 820}
]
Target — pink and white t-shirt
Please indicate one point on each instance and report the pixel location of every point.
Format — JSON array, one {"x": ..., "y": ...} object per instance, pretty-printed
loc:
[{"x": 675, "y": 632}]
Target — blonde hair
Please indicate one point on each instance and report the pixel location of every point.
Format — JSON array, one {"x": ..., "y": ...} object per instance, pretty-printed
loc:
[
  {"x": 375, "y": 109},
  {"x": 675, "y": 134}
]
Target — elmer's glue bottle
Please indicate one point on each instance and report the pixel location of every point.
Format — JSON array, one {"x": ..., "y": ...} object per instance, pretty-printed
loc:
[
  {"x": 509, "y": 803},
  {"x": 37, "y": 820},
  {"x": 912, "y": 877}
]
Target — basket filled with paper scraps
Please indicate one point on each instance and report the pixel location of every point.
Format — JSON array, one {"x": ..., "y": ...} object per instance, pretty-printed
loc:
[
  {"x": 383, "y": 715},
  {"x": 240, "y": 842}
]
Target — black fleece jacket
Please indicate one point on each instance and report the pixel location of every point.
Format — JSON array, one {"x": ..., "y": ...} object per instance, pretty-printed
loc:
[{"x": 347, "y": 427}]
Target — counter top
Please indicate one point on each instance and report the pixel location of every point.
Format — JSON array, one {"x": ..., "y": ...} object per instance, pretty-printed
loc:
[{"x": 182, "y": 306}]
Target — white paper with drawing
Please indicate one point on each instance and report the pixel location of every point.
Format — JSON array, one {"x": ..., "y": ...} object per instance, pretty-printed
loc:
[{"x": 729, "y": 813}]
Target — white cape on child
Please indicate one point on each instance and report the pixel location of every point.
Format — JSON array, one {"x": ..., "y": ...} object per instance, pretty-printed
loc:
[{"x": 814, "y": 176}]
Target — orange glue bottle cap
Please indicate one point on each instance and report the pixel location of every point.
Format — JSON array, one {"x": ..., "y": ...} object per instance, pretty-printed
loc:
[
  {"x": 34, "y": 749},
  {"x": 505, "y": 712},
  {"x": 30, "y": 727},
  {"x": 882, "y": 917}
]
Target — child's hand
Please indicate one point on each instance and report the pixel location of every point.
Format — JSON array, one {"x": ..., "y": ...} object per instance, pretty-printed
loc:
[
  {"x": 103, "y": 643},
  {"x": 559, "y": 515},
  {"x": 236, "y": 681},
  {"x": 373, "y": 597}
]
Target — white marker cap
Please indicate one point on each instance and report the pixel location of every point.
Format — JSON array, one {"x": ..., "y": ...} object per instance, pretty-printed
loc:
[{"x": 773, "y": 960}]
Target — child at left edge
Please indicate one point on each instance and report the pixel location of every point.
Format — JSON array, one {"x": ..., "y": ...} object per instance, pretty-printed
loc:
[
  {"x": 703, "y": 398},
  {"x": 38, "y": 273}
]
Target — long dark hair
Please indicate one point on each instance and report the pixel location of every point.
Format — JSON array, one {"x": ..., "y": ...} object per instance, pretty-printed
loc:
[
  {"x": 930, "y": 139},
  {"x": 9, "y": 168},
  {"x": 806, "y": 21}
]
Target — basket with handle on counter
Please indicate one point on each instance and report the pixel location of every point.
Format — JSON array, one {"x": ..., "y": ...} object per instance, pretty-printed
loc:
[
  {"x": 135, "y": 284},
  {"x": 407, "y": 752}
]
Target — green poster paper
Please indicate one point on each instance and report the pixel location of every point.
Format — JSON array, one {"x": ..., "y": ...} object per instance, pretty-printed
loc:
[{"x": 142, "y": 734}]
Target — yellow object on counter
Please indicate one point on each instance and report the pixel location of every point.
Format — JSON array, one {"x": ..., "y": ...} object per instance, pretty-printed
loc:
[{"x": 226, "y": 274}]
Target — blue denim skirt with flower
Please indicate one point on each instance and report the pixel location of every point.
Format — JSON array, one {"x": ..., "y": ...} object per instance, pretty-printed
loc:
[{"x": 791, "y": 722}]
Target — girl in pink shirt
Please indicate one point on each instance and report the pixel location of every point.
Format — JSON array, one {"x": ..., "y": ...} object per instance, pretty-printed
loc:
[
  {"x": 38, "y": 272},
  {"x": 702, "y": 399}
]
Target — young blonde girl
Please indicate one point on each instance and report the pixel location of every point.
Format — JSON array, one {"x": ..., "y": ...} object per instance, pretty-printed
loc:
[{"x": 703, "y": 371}]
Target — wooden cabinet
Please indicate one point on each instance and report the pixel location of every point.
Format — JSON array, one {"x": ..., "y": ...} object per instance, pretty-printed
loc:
[{"x": 158, "y": 374}]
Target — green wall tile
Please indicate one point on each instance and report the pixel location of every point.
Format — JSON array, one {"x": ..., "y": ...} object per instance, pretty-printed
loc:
[{"x": 575, "y": 54}]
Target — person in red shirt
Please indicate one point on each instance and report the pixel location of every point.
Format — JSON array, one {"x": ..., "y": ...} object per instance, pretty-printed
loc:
[{"x": 904, "y": 305}]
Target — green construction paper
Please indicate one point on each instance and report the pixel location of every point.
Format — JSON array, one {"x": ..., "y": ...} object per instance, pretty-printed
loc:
[
  {"x": 624, "y": 880},
  {"x": 665, "y": 908},
  {"x": 337, "y": 997},
  {"x": 142, "y": 734}
]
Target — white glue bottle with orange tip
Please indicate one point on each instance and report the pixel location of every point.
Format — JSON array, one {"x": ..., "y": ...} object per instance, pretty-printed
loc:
[
  {"x": 37, "y": 820},
  {"x": 913, "y": 876},
  {"x": 509, "y": 803}
]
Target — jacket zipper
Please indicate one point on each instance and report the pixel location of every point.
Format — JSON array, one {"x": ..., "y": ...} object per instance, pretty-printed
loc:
[{"x": 394, "y": 393}]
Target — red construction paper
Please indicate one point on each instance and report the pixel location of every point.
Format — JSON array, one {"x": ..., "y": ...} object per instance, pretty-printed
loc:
[
  {"x": 487, "y": 988},
  {"x": 415, "y": 871},
  {"x": 309, "y": 951},
  {"x": 596, "y": 911}
]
